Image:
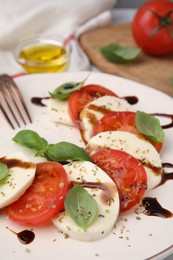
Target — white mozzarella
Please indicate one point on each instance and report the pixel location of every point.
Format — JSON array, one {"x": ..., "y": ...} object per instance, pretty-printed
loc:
[
  {"x": 19, "y": 180},
  {"x": 96, "y": 109},
  {"x": 135, "y": 146},
  {"x": 58, "y": 112},
  {"x": 87, "y": 172}
]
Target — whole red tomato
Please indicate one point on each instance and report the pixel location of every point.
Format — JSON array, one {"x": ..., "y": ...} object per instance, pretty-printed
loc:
[{"x": 152, "y": 27}]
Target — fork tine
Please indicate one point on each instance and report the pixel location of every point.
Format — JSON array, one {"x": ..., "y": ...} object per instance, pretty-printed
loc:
[
  {"x": 6, "y": 116},
  {"x": 20, "y": 99},
  {"x": 4, "y": 106},
  {"x": 17, "y": 95},
  {"x": 14, "y": 103},
  {"x": 12, "y": 99}
]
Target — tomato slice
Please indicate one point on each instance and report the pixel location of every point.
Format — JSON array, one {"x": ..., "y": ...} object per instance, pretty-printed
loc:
[
  {"x": 121, "y": 121},
  {"x": 126, "y": 171},
  {"x": 44, "y": 199},
  {"x": 82, "y": 97}
]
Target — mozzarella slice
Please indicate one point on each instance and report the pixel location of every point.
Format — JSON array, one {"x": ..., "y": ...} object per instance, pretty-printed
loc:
[
  {"x": 135, "y": 146},
  {"x": 58, "y": 112},
  {"x": 96, "y": 109},
  {"x": 21, "y": 176},
  {"x": 107, "y": 199}
]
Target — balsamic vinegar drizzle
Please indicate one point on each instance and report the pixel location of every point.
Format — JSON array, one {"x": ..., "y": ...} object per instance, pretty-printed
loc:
[
  {"x": 166, "y": 176},
  {"x": 165, "y": 115},
  {"x": 38, "y": 101},
  {"x": 12, "y": 162},
  {"x": 151, "y": 205},
  {"x": 153, "y": 208},
  {"x": 25, "y": 236}
]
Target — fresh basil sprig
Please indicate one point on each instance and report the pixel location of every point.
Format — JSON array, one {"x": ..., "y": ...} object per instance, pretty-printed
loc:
[
  {"x": 64, "y": 91},
  {"x": 149, "y": 126},
  {"x": 119, "y": 54},
  {"x": 81, "y": 207},
  {"x": 4, "y": 171},
  {"x": 59, "y": 152}
]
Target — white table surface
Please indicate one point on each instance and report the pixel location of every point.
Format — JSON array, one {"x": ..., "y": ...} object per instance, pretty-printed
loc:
[{"x": 120, "y": 16}]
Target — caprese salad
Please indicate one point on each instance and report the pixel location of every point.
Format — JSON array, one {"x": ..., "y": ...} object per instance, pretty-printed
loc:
[{"x": 82, "y": 190}]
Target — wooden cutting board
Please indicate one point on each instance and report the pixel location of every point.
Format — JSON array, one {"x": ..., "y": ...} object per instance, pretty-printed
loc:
[{"x": 155, "y": 72}]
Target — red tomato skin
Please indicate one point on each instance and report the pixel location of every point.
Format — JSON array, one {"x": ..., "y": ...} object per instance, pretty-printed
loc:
[
  {"x": 82, "y": 97},
  {"x": 143, "y": 24},
  {"x": 44, "y": 199},
  {"x": 121, "y": 121},
  {"x": 126, "y": 171}
]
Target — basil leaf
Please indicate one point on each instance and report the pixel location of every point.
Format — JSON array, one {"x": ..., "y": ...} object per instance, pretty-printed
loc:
[
  {"x": 81, "y": 207},
  {"x": 120, "y": 54},
  {"x": 65, "y": 90},
  {"x": 4, "y": 171},
  {"x": 149, "y": 126},
  {"x": 31, "y": 139},
  {"x": 60, "y": 152},
  {"x": 65, "y": 151}
]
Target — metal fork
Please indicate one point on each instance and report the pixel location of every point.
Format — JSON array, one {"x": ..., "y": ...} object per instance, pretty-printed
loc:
[{"x": 12, "y": 103}]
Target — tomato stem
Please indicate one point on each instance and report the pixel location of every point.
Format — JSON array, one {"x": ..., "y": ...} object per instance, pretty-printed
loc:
[{"x": 163, "y": 22}]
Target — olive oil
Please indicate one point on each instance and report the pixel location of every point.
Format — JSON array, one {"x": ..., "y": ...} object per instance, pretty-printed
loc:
[{"x": 44, "y": 57}]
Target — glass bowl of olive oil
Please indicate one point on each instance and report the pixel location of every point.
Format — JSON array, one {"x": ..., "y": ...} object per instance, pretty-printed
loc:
[{"x": 43, "y": 53}]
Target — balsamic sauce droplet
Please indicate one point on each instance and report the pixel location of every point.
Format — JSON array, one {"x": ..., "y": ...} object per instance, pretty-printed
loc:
[
  {"x": 69, "y": 85},
  {"x": 25, "y": 236},
  {"x": 39, "y": 101},
  {"x": 132, "y": 100},
  {"x": 153, "y": 208}
]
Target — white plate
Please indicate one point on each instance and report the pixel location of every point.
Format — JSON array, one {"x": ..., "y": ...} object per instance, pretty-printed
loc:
[{"x": 135, "y": 237}]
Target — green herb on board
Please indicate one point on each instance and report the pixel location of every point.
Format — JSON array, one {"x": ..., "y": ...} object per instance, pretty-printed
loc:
[{"x": 119, "y": 54}]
